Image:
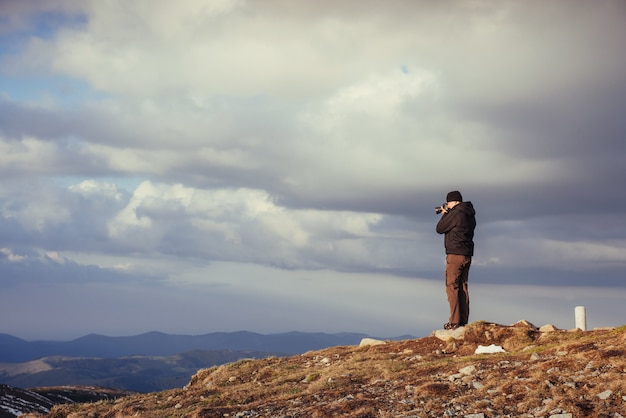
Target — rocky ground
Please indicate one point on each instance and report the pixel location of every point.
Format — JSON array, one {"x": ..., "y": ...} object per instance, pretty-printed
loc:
[
  {"x": 541, "y": 373},
  {"x": 16, "y": 402}
]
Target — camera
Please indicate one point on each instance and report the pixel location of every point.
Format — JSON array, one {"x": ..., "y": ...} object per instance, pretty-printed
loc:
[{"x": 441, "y": 208}]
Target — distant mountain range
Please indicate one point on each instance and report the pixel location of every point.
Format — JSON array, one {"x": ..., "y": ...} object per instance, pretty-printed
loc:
[
  {"x": 148, "y": 362},
  {"x": 16, "y": 350}
]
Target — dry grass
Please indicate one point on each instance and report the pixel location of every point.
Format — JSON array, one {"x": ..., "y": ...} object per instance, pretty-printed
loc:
[{"x": 541, "y": 374}]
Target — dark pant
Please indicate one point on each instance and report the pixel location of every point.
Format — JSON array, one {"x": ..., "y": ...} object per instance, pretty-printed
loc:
[{"x": 457, "y": 273}]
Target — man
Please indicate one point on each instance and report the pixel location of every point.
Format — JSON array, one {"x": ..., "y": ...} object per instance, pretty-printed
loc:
[{"x": 457, "y": 223}]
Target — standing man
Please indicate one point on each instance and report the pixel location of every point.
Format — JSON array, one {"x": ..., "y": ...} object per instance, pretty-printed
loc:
[{"x": 457, "y": 223}]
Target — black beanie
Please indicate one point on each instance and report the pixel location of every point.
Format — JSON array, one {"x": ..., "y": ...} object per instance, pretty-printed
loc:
[{"x": 454, "y": 196}]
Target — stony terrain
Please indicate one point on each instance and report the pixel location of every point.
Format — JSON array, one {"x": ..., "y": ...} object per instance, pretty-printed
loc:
[
  {"x": 541, "y": 373},
  {"x": 16, "y": 401}
]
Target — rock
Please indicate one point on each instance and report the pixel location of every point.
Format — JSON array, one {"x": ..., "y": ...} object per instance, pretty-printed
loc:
[
  {"x": 524, "y": 323},
  {"x": 468, "y": 370},
  {"x": 489, "y": 349},
  {"x": 605, "y": 395},
  {"x": 370, "y": 341},
  {"x": 548, "y": 328},
  {"x": 450, "y": 334}
]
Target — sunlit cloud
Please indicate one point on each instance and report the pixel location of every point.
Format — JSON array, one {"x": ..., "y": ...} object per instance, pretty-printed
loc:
[{"x": 259, "y": 154}]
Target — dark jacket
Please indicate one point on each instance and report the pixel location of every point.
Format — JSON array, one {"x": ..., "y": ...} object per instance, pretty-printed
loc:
[{"x": 458, "y": 225}]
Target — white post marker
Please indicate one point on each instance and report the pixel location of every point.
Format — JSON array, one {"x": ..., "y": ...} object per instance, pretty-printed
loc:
[{"x": 581, "y": 318}]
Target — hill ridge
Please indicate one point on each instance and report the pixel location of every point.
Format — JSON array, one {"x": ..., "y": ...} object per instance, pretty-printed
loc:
[
  {"x": 564, "y": 374},
  {"x": 16, "y": 350}
]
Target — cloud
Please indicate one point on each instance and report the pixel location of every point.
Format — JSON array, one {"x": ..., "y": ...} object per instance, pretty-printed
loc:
[
  {"x": 239, "y": 225},
  {"x": 35, "y": 267},
  {"x": 148, "y": 139}
]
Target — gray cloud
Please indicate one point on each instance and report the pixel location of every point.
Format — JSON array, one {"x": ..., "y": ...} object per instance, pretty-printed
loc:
[{"x": 312, "y": 139}]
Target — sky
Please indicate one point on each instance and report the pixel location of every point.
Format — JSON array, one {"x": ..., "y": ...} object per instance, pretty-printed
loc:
[{"x": 272, "y": 165}]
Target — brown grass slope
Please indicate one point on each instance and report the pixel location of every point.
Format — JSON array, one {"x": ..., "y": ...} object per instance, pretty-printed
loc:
[{"x": 541, "y": 374}]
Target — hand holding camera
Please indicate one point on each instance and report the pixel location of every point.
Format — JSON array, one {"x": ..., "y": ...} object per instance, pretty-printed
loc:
[{"x": 441, "y": 209}]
